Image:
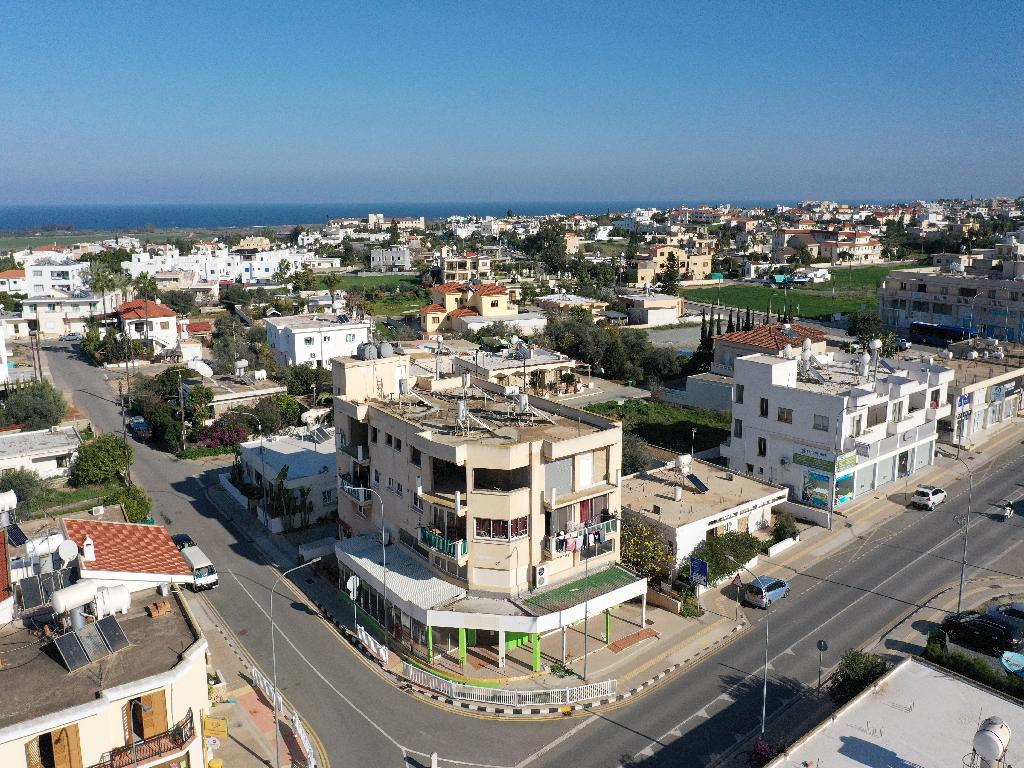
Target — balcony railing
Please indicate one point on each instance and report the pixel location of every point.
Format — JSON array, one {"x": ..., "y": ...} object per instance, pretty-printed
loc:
[
  {"x": 345, "y": 483},
  {"x": 360, "y": 453},
  {"x": 454, "y": 548},
  {"x": 152, "y": 748},
  {"x": 556, "y": 546}
]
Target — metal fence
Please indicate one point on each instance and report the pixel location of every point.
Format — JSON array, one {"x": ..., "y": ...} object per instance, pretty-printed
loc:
[
  {"x": 508, "y": 697},
  {"x": 377, "y": 649}
]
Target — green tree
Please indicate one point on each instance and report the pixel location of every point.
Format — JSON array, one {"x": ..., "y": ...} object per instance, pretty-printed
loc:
[
  {"x": 785, "y": 526},
  {"x": 864, "y": 325},
  {"x": 100, "y": 460},
  {"x": 394, "y": 236},
  {"x": 36, "y": 406},
  {"x": 283, "y": 268},
  {"x": 636, "y": 457},
  {"x": 643, "y": 550},
  {"x": 855, "y": 672},
  {"x": 145, "y": 288},
  {"x": 197, "y": 404},
  {"x": 670, "y": 275},
  {"x": 293, "y": 235},
  {"x": 25, "y": 483},
  {"x": 137, "y": 506},
  {"x": 300, "y": 379},
  {"x": 182, "y": 302}
]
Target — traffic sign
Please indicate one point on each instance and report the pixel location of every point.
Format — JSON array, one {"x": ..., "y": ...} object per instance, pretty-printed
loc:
[
  {"x": 699, "y": 571},
  {"x": 822, "y": 646},
  {"x": 353, "y": 586},
  {"x": 737, "y": 581}
]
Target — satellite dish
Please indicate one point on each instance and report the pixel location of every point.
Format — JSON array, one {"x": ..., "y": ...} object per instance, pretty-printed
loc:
[
  {"x": 201, "y": 368},
  {"x": 67, "y": 551}
]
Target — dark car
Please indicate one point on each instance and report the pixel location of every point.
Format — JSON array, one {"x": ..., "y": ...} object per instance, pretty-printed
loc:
[
  {"x": 1010, "y": 611},
  {"x": 988, "y": 633},
  {"x": 140, "y": 428},
  {"x": 182, "y": 540}
]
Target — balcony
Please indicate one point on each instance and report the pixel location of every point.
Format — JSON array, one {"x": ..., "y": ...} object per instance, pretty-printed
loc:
[
  {"x": 554, "y": 547},
  {"x": 362, "y": 496},
  {"x": 456, "y": 549},
  {"x": 361, "y": 453},
  {"x": 176, "y": 740}
]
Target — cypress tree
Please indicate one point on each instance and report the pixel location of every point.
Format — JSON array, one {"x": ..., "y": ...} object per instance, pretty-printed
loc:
[
  {"x": 703, "y": 329},
  {"x": 718, "y": 326},
  {"x": 731, "y": 326},
  {"x": 748, "y": 324}
]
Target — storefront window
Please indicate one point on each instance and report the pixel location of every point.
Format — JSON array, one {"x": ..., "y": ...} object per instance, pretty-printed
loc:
[
  {"x": 815, "y": 489},
  {"x": 844, "y": 489}
]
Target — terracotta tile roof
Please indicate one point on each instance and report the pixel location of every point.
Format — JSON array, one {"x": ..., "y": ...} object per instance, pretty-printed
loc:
[
  {"x": 55, "y": 248},
  {"x": 137, "y": 310},
  {"x": 9, "y": 273},
  {"x": 128, "y": 548},
  {"x": 200, "y": 326},
  {"x": 774, "y": 337},
  {"x": 5, "y": 580},
  {"x": 433, "y": 309},
  {"x": 491, "y": 289},
  {"x": 465, "y": 312},
  {"x": 450, "y": 288}
]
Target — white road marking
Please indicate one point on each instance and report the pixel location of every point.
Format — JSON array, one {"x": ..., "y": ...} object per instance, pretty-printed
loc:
[{"x": 564, "y": 737}]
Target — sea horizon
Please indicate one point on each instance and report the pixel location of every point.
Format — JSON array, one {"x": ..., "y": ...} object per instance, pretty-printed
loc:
[{"x": 24, "y": 218}]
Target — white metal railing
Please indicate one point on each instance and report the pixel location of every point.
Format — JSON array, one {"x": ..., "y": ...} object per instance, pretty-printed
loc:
[
  {"x": 377, "y": 649},
  {"x": 506, "y": 696}
]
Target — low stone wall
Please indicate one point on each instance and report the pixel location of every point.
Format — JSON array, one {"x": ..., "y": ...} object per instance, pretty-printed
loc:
[
  {"x": 783, "y": 545},
  {"x": 663, "y": 601},
  {"x": 813, "y": 515}
]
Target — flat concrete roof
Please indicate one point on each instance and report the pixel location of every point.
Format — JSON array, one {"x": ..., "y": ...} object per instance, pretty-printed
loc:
[
  {"x": 41, "y": 442},
  {"x": 918, "y": 715},
  {"x": 496, "y": 361},
  {"x": 41, "y": 685},
  {"x": 312, "y": 323},
  {"x": 226, "y": 386},
  {"x": 642, "y": 491},
  {"x": 304, "y": 455}
]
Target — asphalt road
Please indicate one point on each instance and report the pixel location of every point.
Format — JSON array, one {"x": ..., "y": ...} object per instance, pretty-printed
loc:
[{"x": 848, "y": 599}]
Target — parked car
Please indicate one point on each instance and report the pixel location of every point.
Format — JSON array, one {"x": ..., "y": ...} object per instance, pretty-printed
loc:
[
  {"x": 991, "y": 634},
  {"x": 902, "y": 344},
  {"x": 71, "y": 337},
  {"x": 765, "y": 590},
  {"x": 1010, "y": 611},
  {"x": 204, "y": 575},
  {"x": 140, "y": 428},
  {"x": 182, "y": 540},
  {"x": 927, "y": 497}
]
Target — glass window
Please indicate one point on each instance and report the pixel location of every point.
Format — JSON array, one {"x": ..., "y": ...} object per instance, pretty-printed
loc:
[
  {"x": 786, "y": 415},
  {"x": 308, "y": 341},
  {"x": 398, "y": 444},
  {"x": 737, "y": 428},
  {"x": 739, "y": 394},
  {"x": 373, "y": 434},
  {"x": 762, "y": 446},
  {"x": 415, "y": 456},
  {"x": 764, "y": 407},
  {"x": 821, "y": 422}
]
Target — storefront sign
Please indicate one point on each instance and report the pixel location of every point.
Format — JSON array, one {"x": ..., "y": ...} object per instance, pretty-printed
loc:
[
  {"x": 846, "y": 461},
  {"x": 963, "y": 400},
  {"x": 216, "y": 726},
  {"x": 827, "y": 465}
]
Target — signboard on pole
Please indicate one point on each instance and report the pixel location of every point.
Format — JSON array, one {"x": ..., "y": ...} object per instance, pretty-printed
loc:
[
  {"x": 353, "y": 586},
  {"x": 737, "y": 581},
  {"x": 699, "y": 571}
]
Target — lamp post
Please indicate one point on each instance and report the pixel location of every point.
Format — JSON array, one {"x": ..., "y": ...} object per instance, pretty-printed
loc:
[
  {"x": 767, "y": 611},
  {"x": 383, "y": 549},
  {"x": 967, "y": 530},
  {"x": 273, "y": 656}
]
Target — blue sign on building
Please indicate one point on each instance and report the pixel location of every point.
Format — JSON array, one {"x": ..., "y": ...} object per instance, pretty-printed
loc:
[{"x": 699, "y": 571}]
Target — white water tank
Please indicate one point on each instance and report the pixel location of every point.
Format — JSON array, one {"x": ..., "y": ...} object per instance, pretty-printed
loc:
[
  {"x": 991, "y": 740},
  {"x": 111, "y": 600},
  {"x": 44, "y": 545},
  {"x": 79, "y": 594},
  {"x": 8, "y": 501}
]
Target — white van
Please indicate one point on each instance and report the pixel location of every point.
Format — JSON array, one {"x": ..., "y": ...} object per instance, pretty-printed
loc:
[{"x": 204, "y": 575}]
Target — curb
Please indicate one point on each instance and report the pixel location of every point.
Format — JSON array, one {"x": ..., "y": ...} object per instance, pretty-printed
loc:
[{"x": 491, "y": 709}]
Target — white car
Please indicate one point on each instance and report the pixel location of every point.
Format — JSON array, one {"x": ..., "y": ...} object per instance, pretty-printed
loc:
[
  {"x": 927, "y": 497},
  {"x": 72, "y": 337}
]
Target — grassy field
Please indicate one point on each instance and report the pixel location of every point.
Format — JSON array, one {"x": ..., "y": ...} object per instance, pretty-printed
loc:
[
  {"x": 358, "y": 283},
  {"x": 668, "y": 426},
  {"x": 69, "y": 499},
  {"x": 853, "y": 290}
]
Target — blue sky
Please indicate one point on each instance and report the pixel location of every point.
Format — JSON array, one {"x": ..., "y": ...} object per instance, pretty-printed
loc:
[{"x": 430, "y": 101}]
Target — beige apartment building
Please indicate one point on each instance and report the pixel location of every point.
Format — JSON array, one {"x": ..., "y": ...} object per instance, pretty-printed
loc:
[
  {"x": 489, "y": 500},
  {"x": 468, "y": 265}
]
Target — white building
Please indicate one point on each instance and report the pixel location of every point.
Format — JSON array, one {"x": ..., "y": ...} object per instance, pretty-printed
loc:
[
  {"x": 834, "y": 427},
  {"x": 48, "y": 452},
  {"x": 311, "y": 461},
  {"x": 261, "y": 266},
  {"x": 313, "y": 339},
  {"x": 148, "y": 320},
  {"x": 56, "y": 274},
  {"x": 393, "y": 258},
  {"x": 57, "y": 314},
  {"x": 12, "y": 281}
]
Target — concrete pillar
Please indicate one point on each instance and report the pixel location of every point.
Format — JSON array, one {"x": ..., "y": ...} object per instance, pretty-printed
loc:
[
  {"x": 462, "y": 646},
  {"x": 607, "y": 626},
  {"x": 470, "y": 637},
  {"x": 501, "y": 649},
  {"x": 565, "y": 648},
  {"x": 643, "y": 610},
  {"x": 430, "y": 644},
  {"x": 535, "y": 642}
]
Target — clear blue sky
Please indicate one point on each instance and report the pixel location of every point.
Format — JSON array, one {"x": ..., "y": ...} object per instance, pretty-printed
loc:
[{"x": 428, "y": 101}]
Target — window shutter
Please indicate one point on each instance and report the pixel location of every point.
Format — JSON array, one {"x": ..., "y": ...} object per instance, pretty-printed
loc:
[
  {"x": 154, "y": 722},
  {"x": 67, "y": 749}
]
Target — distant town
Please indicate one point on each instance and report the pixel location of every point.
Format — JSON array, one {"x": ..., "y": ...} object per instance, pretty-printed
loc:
[{"x": 526, "y": 468}]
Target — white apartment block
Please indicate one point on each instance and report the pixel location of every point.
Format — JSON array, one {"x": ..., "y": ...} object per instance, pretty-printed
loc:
[
  {"x": 56, "y": 274},
  {"x": 58, "y": 314},
  {"x": 833, "y": 427},
  {"x": 392, "y": 258},
  {"x": 313, "y": 339},
  {"x": 261, "y": 266}
]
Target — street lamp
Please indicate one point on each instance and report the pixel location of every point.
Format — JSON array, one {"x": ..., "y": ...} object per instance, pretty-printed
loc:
[
  {"x": 767, "y": 611},
  {"x": 273, "y": 656},
  {"x": 967, "y": 530},
  {"x": 383, "y": 550}
]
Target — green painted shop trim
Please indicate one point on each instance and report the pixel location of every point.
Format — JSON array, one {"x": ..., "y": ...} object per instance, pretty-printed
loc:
[
  {"x": 449, "y": 676},
  {"x": 516, "y": 639},
  {"x": 535, "y": 643}
]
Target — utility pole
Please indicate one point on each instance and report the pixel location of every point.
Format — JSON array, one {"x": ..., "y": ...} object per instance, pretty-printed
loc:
[
  {"x": 124, "y": 435},
  {"x": 181, "y": 405}
]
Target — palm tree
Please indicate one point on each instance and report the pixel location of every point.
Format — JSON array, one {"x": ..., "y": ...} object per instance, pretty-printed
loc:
[
  {"x": 568, "y": 378},
  {"x": 102, "y": 280},
  {"x": 537, "y": 380},
  {"x": 145, "y": 286}
]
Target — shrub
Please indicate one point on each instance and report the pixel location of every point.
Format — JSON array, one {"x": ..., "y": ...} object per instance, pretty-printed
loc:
[
  {"x": 101, "y": 460},
  {"x": 635, "y": 455},
  {"x": 972, "y": 667},
  {"x": 740, "y": 547},
  {"x": 785, "y": 526},
  {"x": 855, "y": 672},
  {"x": 643, "y": 550},
  {"x": 221, "y": 435},
  {"x": 25, "y": 483},
  {"x": 137, "y": 506},
  {"x": 37, "y": 406}
]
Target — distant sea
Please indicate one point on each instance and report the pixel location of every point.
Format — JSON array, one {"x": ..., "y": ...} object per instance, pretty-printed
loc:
[{"x": 22, "y": 218}]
